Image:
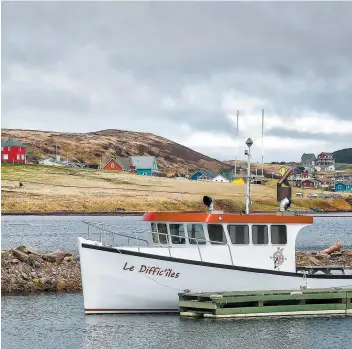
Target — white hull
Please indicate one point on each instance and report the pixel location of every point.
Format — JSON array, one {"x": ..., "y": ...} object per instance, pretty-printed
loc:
[{"x": 115, "y": 281}]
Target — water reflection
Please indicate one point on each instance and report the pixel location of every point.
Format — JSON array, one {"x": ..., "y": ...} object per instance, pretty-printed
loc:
[{"x": 57, "y": 321}]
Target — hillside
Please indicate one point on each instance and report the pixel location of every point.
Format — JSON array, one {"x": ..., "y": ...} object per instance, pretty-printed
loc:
[
  {"x": 89, "y": 147},
  {"x": 343, "y": 156}
]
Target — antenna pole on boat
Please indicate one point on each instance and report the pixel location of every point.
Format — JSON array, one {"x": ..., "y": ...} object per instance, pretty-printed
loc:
[
  {"x": 262, "y": 142},
  {"x": 249, "y": 143},
  {"x": 238, "y": 113}
]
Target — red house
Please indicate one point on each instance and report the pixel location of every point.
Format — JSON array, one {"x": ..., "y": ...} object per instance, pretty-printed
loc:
[
  {"x": 113, "y": 165},
  {"x": 13, "y": 152},
  {"x": 118, "y": 164}
]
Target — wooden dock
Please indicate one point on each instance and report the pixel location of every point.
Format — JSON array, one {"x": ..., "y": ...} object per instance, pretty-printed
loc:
[{"x": 307, "y": 302}]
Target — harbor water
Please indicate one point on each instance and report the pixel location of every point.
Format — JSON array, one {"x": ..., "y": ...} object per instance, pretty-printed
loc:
[{"x": 57, "y": 320}]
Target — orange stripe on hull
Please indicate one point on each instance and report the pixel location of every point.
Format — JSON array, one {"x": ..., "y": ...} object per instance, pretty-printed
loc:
[{"x": 223, "y": 218}]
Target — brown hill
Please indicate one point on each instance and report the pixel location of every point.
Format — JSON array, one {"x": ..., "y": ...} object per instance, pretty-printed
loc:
[{"x": 90, "y": 147}]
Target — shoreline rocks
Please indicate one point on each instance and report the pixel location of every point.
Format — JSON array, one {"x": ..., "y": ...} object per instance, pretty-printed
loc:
[{"x": 26, "y": 270}]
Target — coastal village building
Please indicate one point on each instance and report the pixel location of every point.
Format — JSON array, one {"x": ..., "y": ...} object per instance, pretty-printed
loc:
[
  {"x": 325, "y": 159},
  {"x": 227, "y": 173},
  {"x": 142, "y": 165},
  {"x": 308, "y": 159},
  {"x": 220, "y": 178},
  {"x": 13, "y": 152},
  {"x": 145, "y": 165},
  {"x": 308, "y": 183},
  {"x": 118, "y": 164},
  {"x": 282, "y": 170},
  {"x": 323, "y": 162},
  {"x": 239, "y": 180},
  {"x": 202, "y": 175},
  {"x": 344, "y": 186}
]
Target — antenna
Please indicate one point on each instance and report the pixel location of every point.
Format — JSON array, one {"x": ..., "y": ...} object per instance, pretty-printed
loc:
[
  {"x": 262, "y": 142},
  {"x": 238, "y": 113}
]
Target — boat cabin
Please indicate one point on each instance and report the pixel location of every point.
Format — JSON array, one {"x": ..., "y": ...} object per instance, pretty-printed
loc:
[{"x": 264, "y": 241}]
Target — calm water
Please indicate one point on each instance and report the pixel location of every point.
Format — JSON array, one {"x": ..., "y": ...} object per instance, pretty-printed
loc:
[{"x": 58, "y": 321}]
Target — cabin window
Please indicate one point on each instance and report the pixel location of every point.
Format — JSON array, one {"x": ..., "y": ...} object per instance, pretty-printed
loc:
[
  {"x": 239, "y": 234},
  {"x": 216, "y": 234},
  {"x": 195, "y": 231},
  {"x": 259, "y": 234},
  {"x": 278, "y": 234},
  {"x": 155, "y": 233},
  {"x": 112, "y": 165},
  {"x": 177, "y": 232},
  {"x": 162, "y": 230}
]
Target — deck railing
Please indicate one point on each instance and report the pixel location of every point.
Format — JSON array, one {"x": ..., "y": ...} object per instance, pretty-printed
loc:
[{"x": 104, "y": 229}]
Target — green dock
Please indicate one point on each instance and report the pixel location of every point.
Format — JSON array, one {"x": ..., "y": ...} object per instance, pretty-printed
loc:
[{"x": 306, "y": 302}]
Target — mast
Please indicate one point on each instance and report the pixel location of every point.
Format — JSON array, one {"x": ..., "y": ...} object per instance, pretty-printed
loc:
[
  {"x": 262, "y": 142},
  {"x": 238, "y": 113},
  {"x": 249, "y": 143}
]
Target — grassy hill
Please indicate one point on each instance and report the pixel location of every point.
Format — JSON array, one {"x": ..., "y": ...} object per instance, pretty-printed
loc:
[
  {"x": 63, "y": 189},
  {"x": 89, "y": 147}
]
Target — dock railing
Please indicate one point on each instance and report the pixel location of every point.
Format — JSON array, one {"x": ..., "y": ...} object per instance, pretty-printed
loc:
[{"x": 104, "y": 229}]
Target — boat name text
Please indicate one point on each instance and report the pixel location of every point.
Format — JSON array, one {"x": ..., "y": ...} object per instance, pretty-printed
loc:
[{"x": 168, "y": 272}]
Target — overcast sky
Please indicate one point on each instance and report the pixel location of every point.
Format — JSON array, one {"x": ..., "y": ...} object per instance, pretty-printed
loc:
[{"x": 182, "y": 70}]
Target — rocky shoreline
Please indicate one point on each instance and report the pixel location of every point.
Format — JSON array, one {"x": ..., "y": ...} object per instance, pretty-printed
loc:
[{"x": 27, "y": 270}]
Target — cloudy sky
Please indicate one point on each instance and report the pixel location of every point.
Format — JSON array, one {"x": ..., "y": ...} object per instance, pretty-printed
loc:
[{"x": 182, "y": 70}]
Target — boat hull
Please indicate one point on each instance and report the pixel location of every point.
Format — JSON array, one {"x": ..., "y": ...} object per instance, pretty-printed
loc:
[{"x": 123, "y": 281}]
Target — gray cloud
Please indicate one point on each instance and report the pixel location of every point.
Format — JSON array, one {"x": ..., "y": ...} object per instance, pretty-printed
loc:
[{"x": 155, "y": 67}]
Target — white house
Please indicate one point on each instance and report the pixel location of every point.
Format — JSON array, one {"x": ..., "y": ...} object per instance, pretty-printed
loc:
[
  {"x": 220, "y": 178},
  {"x": 330, "y": 168}
]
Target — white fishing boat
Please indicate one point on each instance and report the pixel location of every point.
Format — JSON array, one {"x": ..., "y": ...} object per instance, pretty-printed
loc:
[{"x": 194, "y": 252}]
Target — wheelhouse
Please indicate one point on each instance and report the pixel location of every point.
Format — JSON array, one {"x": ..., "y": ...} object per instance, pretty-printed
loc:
[
  {"x": 218, "y": 228},
  {"x": 248, "y": 240},
  {"x": 216, "y": 234}
]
